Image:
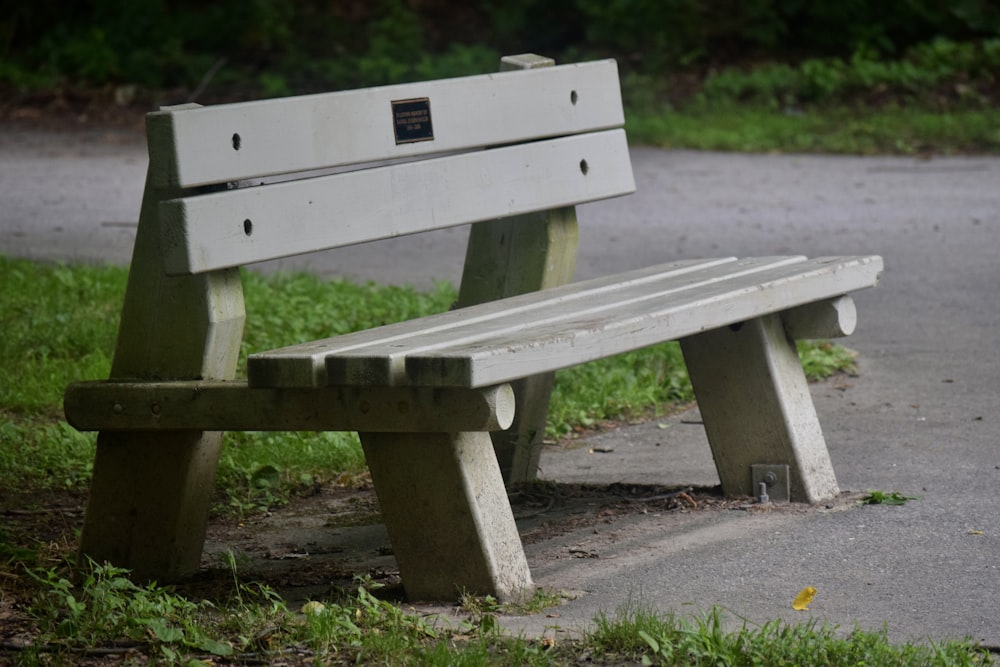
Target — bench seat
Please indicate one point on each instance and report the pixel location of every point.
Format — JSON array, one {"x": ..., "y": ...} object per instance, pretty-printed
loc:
[{"x": 504, "y": 340}]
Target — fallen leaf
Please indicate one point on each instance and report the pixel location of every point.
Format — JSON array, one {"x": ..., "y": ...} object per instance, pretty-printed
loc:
[
  {"x": 802, "y": 600},
  {"x": 973, "y": 531}
]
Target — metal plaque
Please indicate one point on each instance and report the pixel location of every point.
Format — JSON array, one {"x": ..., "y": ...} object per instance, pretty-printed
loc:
[{"x": 411, "y": 120}]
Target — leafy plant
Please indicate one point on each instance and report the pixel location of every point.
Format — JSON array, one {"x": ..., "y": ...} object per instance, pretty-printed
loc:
[
  {"x": 704, "y": 640},
  {"x": 482, "y": 605},
  {"x": 107, "y": 607},
  {"x": 620, "y": 386},
  {"x": 821, "y": 359},
  {"x": 103, "y": 610},
  {"x": 883, "y": 498}
]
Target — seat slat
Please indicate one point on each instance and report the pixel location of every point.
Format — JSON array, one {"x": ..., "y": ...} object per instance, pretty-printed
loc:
[
  {"x": 585, "y": 337},
  {"x": 304, "y": 365},
  {"x": 537, "y": 328},
  {"x": 236, "y": 227},
  {"x": 579, "y": 309},
  {"x": 198, "y": 146}
]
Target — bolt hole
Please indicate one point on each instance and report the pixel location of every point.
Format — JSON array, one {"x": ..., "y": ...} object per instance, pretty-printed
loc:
[
  {"x": 584, "y": 167},
  {"x": 237, "y": 142},
  {"x": 573, "y": 97},
  {"x": 248, "y": 227}
]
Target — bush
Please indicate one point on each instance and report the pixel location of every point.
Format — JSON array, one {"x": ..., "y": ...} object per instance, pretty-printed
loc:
[{"x": 308, "y": 44}]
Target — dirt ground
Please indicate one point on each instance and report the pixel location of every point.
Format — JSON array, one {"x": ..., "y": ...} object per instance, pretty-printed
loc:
[{"x": 316, "y": 546}]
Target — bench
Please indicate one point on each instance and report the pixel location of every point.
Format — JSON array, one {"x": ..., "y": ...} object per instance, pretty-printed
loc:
[{"x": 448, "y": 407}]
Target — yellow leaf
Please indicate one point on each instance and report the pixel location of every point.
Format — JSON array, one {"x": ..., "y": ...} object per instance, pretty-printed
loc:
[{"x": 802, "y": 600}]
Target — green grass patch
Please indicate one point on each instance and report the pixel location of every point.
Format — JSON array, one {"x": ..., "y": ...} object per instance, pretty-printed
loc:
[
  {"x": 101, "y": 610},
  {"x": 61, "y": 321},
  {"x": 886, "y": 498},
  {"x": 939, "y": 97},
  {"x": 842, "y": 130},
  {"x": 652, "y": 638}
]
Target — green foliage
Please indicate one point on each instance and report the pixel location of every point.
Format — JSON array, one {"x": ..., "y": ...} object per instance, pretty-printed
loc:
[
  {"x": 621, "y": 386},
  {"x": 658, "y": 639},
  {"x": 928, "y": 73},
  {"x": 821, "y": 359},
  {"x": 311, "y": 45},
  {"x": 59, "y": 325},
  {"x": 98, "y": 607},
  {"x": 622, "y": 634},
  {"x": 883, "y": 498},
  {"x": 262, "y": 470},
  {"x": 37, "y": 453},
  {"x": 829, "y": 130},
  {"x": 297, "y": 307},
  {"x": 106, "y": 607}
]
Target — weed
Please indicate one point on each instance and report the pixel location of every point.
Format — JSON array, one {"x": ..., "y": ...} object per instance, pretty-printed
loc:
[
  {"x": 821, "y": 359},
  {"x": 704, "y": 640},
  {"x": 106, "y": 607},
  {"x": 102, "y": 612},
  {"x": 479, "y": 605},
  {"x": 883, "y": 498}
]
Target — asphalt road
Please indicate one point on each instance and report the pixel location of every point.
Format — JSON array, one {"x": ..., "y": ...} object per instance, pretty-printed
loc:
[{"x": 922, "y": 418}]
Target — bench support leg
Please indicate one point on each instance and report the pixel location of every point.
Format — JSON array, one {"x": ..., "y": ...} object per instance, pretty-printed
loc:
[
  {"x": 755, "y": 401},
  {"x": 446, "y": 510},
  {"x": 514, "y": 256},
  {"x": 505, "y": 258},
  {"x": 150, "y": 493}
]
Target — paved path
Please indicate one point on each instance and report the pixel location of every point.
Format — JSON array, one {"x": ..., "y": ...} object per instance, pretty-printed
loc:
[{"x": 922, "y": 418}]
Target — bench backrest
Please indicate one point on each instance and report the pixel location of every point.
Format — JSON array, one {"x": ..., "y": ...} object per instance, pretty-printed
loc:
[{"x": 295, "y": 175}]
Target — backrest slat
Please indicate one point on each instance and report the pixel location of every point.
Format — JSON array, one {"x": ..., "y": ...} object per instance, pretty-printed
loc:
[
  {"x": 236, "y": 227},
  {"x": 204, "y": 145}
]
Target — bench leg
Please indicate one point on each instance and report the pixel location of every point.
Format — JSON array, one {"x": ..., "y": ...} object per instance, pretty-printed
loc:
[
  {"x": 446, "y": 510},
  {"x": 514, "y": 256},
  {"x": 755, "y": 401},
  {"x": 519, "y": 448},
  {"x": 150, "y": 492},
  {"x": 148, "y": 508}
]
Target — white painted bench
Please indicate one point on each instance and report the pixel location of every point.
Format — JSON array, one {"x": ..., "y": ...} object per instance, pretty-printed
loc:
[{"x": 513, "y": 152}]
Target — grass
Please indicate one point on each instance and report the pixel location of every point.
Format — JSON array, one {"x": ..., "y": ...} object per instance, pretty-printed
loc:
[
  {"x": 638, "y": 633},
  {"x": 886, "y": 498},
  {"x": 105, "y": 614},
  {"x": 938, "y": 98},
  {"x": 843, "y": 130}
]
